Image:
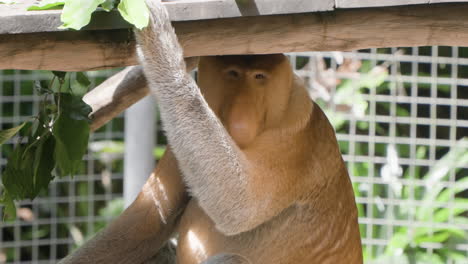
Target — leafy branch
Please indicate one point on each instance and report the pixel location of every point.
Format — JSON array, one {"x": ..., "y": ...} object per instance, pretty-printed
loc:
[
  {"x": 77, "y": 13},
  {"x": 51, "y": 143}
]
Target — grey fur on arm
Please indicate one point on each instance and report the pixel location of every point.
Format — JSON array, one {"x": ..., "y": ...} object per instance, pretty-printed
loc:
[{"x": 206, "y": 154}]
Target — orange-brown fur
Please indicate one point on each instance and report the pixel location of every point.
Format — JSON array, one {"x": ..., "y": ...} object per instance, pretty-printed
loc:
[
  {"x": 296, "y": 146},
  {"x": 258, "y": 157}
]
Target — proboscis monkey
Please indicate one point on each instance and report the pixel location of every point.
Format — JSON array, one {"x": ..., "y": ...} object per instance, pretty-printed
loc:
[{"x": 259, "y": 159}]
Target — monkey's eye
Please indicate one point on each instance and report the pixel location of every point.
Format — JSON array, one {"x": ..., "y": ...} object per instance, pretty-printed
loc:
[
  {"x": 260, "y": 76},
  {"x": 233, "y": 74}
]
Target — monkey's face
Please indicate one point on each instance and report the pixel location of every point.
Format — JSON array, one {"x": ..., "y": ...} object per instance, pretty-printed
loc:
[{"x": 248, "y": 93}]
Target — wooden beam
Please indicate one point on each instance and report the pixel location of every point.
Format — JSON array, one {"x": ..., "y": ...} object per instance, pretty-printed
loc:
[
  {"x": 115, "y": 95},
  {"x": 68, "y": 51},
  {"x": 15, "y": 19},
  {"x": 351, "y": 29},
  {"x": 380, "y": 3},
  {"x": 119, "y": 92}
]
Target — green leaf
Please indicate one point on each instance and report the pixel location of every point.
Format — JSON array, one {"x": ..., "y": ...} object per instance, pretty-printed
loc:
[
  {"x": 426, "y": 234},
  {"x": 77, "y": 13},
  {"x": 71, "y": 131},
  {"x": 425, "y": 257},
  {"x": 43, "y": 164},
  {"x": 458, "y": 256},
  {"x": 17, "y": 176},
  {"x": 158, "y": 152},
  {"x": 433, "y": 238},
  {"x": 398, "y": 241},
  {"x": 29, "y": 168},
  {"x": 80, "y": 84},
  {"x": 46, "y": 5},
  {"x": 74, "y": 107},
  {"x": 60, "y": 75},
  {"x": 41, "y": 88},
  {"x": 460, "y": 220},
  {"x": 113, "y": 209},
  {"x": 459, "y": 207},
  {"x": 108, "y": 5},
  {"x": 9, "y": 133},
  {"x": 455, "y": 158},
  {"x": 108, "y": 147},
  {"x": 457, "y": 187},
  {"x": 374, "y": 78},
  {"x": 82, "y": 79},
  {"x": 9, "y": 206},
  {"x": 8, "y": 2},
  {"x": 135, "y": 12},
  {"x": 62, "y": 85}
]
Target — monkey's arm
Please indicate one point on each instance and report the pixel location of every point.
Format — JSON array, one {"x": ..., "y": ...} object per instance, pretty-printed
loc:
[
  {"x": 216, "y": 172},
  {"x": 145, "y": 226}
]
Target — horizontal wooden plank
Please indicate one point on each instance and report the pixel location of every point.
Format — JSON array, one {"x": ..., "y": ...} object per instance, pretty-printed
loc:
[
  {"x": 348, "y": 29},
  {"x": 68, "y": 51},
  {"x": 381, "y": 3},
  {"x": 15, "y": 19}
]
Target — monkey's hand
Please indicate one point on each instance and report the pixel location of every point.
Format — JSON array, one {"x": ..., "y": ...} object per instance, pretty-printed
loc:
[{"x": 164, "y": 59}]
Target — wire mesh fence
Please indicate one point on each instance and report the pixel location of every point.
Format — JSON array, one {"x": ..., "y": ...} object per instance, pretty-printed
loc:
[{"x": 401, "y": 115}]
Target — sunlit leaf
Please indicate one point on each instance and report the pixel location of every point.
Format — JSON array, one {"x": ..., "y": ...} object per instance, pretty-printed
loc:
[
  {"x": 77, "y": 13},
  {"x": 108, "y": 5},
  {"x": 433, "y": 238},
  {"x": 46, "y": 5},
  {"x": 9, "y": 133},
  {"x": 398, "y": 242},
  {"x": 135, "y": 12},
  {"x": 444, "y": 214},
  {"x": 457, "y": 187}
]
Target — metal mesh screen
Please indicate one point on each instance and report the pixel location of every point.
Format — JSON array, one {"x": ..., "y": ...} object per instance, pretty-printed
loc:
[{"x": 400, "y": 116}]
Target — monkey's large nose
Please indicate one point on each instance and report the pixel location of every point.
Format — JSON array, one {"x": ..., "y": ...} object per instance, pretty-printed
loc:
[{"x": 242, "y": 123}]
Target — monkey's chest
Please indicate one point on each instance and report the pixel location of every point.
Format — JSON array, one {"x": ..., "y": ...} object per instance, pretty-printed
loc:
[{"x": 199, "y": 239}]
